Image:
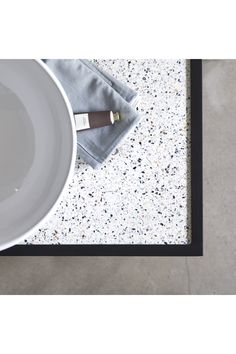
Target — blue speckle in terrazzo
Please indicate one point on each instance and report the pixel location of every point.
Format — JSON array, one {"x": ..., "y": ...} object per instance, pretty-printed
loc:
[{"x": 141, "y": 194}]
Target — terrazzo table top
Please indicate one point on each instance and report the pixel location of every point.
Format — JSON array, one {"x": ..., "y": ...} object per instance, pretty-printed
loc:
[{"x": 141, "y": 194}]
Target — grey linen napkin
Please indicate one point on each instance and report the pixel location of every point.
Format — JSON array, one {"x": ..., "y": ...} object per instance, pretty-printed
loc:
[{"x": 89, "y": 90}]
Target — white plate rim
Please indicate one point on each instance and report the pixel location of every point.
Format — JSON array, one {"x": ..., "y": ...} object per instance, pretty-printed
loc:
[{"x": 51, "y": 210}]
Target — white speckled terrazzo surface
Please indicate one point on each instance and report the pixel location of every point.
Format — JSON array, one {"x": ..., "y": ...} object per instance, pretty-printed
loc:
[{"x": 141, "y": 194}]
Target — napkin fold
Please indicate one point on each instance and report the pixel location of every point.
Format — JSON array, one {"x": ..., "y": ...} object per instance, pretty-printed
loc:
[{"x": 90, "y": 89}]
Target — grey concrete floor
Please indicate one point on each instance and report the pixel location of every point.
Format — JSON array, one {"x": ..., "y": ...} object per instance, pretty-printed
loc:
[{"x": 214, "y": 273}]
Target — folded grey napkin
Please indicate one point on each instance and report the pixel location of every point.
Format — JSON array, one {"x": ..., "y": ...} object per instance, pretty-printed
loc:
[{"x": 89, "y": 90}]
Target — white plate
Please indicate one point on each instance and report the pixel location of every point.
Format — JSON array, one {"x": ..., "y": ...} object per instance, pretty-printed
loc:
[{"x": 37, "y": 147}]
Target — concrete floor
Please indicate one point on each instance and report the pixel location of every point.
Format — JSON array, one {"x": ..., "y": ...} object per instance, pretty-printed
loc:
[{"x": 214, "y": 273}]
